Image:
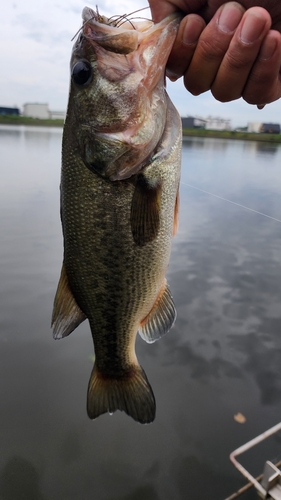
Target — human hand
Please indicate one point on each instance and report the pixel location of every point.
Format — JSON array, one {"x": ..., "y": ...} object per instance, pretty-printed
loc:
[
  {"x": 236, "y": 54},
  {"x": 207, "y": 8}
]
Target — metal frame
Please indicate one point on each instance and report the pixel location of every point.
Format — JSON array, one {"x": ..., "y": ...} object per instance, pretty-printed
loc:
[{"x": 263, "y": 493}]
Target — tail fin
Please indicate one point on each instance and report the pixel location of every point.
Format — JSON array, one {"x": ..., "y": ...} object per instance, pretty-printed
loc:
[{"x": 131, "y": 393}]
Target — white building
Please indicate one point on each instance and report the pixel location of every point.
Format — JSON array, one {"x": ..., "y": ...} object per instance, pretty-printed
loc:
[
  {"x": 199, "y": 122},
  {"x": 217, "y": 123},
  {"x": 57, "y": 115},
  {"x": 36, "y": 110},
  {"x": 254, "y": 127}
]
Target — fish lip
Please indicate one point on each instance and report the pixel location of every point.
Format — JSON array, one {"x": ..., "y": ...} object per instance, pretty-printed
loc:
[
  {"x": 88, "y": 17},
  {"x": 120, "y": 39}
]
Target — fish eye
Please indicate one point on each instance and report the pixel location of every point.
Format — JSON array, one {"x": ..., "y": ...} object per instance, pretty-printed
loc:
[{"x": 82, "y": 73}]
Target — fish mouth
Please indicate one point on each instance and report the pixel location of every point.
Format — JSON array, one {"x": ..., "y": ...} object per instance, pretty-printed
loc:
[
  {"x": 120, "y": 34},
  {"x": 117, "y": 34}
]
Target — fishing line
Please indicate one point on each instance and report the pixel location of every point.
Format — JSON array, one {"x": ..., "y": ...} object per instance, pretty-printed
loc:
[{"x": 230, "y": 201}]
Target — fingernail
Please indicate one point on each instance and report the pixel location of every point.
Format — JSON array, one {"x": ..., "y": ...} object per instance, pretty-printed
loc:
[
  {"x": 192, "y": 30},
  {"x": 268, "y": 49},
  {"x": 230, "y": 16},
  {"x": 252, "y": 28}
]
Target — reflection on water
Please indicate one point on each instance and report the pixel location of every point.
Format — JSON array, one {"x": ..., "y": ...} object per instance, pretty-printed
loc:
[
  {"x": 222, "y": 356},
  {"x": 19, "y": 481},
  {"x": 266, "y": 148},
  {"x": 205, "y": 143}
]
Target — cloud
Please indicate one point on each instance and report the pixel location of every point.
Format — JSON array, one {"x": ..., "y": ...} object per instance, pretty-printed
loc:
[{"x": 35, "y": 47}]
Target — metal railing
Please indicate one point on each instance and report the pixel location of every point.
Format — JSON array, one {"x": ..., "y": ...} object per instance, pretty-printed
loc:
[{"x": 270, "y": 486}]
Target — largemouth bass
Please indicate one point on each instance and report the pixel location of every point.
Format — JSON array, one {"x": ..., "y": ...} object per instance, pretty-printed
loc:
[{"x": 121, "y": 158}]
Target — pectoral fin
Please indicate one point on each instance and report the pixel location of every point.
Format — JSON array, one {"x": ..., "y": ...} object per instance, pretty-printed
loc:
[
  {"x": 67, "y": 315},
  {"x": 161, "y": 317},
  {"x": 145, "y": 211},
  {"x": 176, "y": 214}
]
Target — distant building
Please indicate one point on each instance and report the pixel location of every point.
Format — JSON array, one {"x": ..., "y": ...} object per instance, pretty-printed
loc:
[
  {"x": 217, "y": 123},
  {"x": 42, "y": 111},
  {"x": 57, "y": 115},
  {"x": 193, "y": 122},
  {"x": 254, "y": 127},
  {"x": 270, "y": 128},
  {"x": 9, "y": 111},
  {"x": 210, "y": 123},
  {"x": 36, "y": 110}
]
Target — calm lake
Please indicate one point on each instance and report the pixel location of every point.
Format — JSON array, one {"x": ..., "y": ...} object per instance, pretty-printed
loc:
[{"x": 222, "y": 357}]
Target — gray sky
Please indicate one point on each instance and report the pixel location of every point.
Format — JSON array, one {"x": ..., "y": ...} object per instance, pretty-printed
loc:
[{"x": 35, "y": 47}]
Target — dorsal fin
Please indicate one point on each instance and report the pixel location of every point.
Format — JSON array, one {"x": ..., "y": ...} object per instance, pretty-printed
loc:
[
  {"x": 145, "y": 211},
  {"x": 161, "y": 317},
  {"x": 67, "y": 315}
]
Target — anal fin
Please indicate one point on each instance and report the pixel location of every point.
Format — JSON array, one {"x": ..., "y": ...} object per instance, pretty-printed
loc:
[
  {"x": 161, "y": 317},
  {"x": 67, "y": 315}
]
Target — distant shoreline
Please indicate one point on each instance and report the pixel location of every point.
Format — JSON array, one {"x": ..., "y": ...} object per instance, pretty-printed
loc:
[
  {"x": 233, "y": 134},
  {"x": 216, "y": 134},
  {"x": 25, "y": 120}
]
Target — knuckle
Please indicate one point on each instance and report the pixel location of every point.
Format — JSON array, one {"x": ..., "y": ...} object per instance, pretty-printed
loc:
[
  {"x": 260, "y": 88},
  {"x": 237, "y": 61},
  {"x": 211, "y": 50},
  {"x": 223, "y": 93},
  {"x": 194, "y": 87},
  {"x": 261, "y": 79},
  {"x": 257, "y": 95}
]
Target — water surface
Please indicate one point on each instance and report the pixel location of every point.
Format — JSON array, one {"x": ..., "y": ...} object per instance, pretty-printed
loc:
[{"x": 222, "y": 357}]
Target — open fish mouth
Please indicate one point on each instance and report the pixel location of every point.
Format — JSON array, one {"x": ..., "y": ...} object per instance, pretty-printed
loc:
[
  {"x": 122, "y": 34},
  {"x": 118, "y": 72},
  {"x": 103, "y": 30}
]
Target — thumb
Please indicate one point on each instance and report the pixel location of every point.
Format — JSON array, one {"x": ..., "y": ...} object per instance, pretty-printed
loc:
[{"x": 161, "y": 9}]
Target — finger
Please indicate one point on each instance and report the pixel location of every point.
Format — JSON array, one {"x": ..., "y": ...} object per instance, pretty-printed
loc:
[
  {"x": 241, "y": 55},
  {"x": 211, "y": 48},
  {"x": 264, "y": 85},
  {"x": 184, "y": 46},
  {"x": 162, "y": 9}
]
